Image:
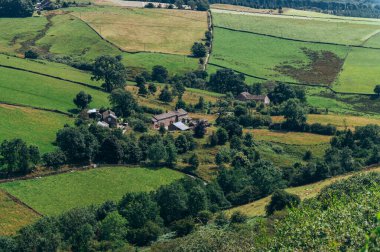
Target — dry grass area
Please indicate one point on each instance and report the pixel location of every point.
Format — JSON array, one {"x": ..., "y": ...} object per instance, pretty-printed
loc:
[
  {"x": 257, "y": 208},
  {"x": 294, "y": 138},
  {"x": 243, "y": 9},
  {"x": 150, "y": 30},
  {"x": 13, "y": 215},
  {"x": 340, "y": 121}
]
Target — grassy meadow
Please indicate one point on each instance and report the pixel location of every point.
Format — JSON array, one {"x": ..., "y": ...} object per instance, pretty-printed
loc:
[
  {"x": 55, "y": 194},
  {"x": 13, "y": 215},
  {"x": 14, "y": 32},
  {"x": 157, "y": 30},
  {"x": 360, "y": 71},
  {"x": 257, "y": 208},
  {"x": 33, "y": 126},
  {"x": 45, "y": 92},
  {"x": 260, "y": 56},
  {"x": 50, "y": 68},
  {"x": 322, "y": 30}
]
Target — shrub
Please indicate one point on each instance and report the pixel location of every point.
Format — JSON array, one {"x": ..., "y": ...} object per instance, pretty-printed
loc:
[
  {"x": 238, "y": 217},
  {"x": 30, "y": 54},
  {"x": 280, "y": 200},
  {"x": 149, "y": 5},
  {"x": 183, "y": 227}
]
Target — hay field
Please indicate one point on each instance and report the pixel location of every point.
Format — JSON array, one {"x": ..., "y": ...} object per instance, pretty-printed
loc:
[
  {"x": 158, "y": 30},
  {"x": 292, "y": 138},
  {"x": 277, "y": 59},
  {"x": 257, "y": 208},
  {"x": 45, "y": 92},
  {"x": 53, "y": 195},
  {"x": 18, "y": 122},
  {"x": 340, "y": 121},
  {"x": 13, "y": 216}
]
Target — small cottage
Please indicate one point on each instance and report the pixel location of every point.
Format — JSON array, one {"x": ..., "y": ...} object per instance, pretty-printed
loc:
[{"x": 245, "y": 96}]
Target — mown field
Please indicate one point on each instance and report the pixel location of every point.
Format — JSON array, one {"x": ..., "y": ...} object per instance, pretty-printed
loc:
[
  {"x": 45, "y": 92},
  {"x": 157, "y": 30},
  {"x": 260, "y": 56},
  {"x": 347, "y": 32},
  {"x": 257, "y": 208},
  {"x": 55, "y": 194},
  {"x": 13, "y": 215},
  {"x": 360, "y": 72},
  {"x": 33, "y": 126}
]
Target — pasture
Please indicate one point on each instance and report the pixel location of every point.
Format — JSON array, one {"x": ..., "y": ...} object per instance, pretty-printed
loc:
[
  {"x": 346, "y": 31},
  {"x": 360, "y": 72},
  {"x": 13, "y": 215},
  {"x": 16, "y": 33},
  {"x": 157, "y": 30},
  {"x": 45, "y": 92},
  {"x": 50, "y": 68},
  {"x": 277, "y": 59},
  {"x": 53, "y": 195},
  {"x": 33, "y": 126},
  {"x": 257, "y": 208}
]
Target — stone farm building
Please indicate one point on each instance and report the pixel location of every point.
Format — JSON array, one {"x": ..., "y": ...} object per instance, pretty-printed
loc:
[
  {"x": 245, "y": 96},
  {"x": 166, "y": 119}
]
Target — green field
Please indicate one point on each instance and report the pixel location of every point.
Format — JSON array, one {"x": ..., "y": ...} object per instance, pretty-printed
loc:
[
  {"x": 360, "y": 73},
  {"x": 309, "y": 29},
  {"x": 55, "y": 194},
  {"x": 33, "y": 126},
  {"x": 13, "y": 215},
  {"x": 45, "y": 92},
  {"x": 265, "y": 57},
  {"x": 50, "y": 68}
]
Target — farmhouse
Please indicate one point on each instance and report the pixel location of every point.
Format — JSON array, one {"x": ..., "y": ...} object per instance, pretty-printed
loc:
[
  {"x": 105, "y": 119},
  {"x": 245, "y": 96},
  {"x": 166, "y": 119}
]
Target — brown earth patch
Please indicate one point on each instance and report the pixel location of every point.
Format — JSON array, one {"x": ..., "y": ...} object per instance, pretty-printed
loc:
[{"x": 323, "y": 68}]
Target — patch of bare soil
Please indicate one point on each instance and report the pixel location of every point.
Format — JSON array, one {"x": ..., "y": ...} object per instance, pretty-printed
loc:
[{"x": 323, "y": 68}]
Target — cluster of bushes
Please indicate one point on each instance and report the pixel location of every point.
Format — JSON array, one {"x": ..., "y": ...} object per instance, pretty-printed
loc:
[
  {"x": 138, "y": 219},
  {"x": 17, "y": 158},
  {"x": 316, "y": 128}
]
